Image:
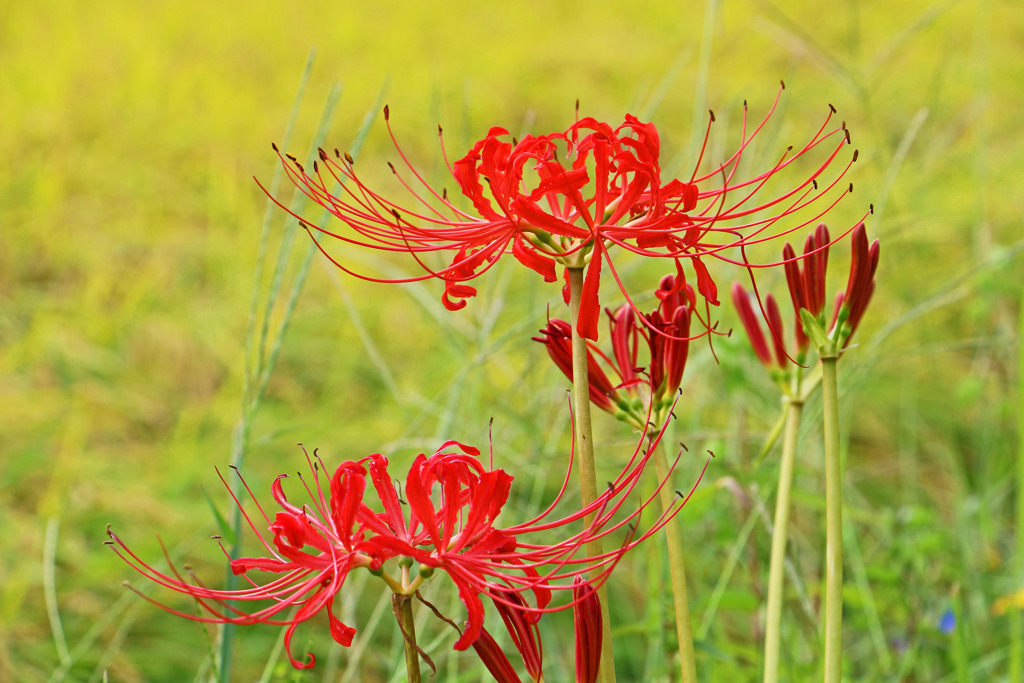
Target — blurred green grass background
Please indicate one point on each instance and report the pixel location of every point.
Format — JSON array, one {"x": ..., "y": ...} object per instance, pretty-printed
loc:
[{"x": 129, "y": 228}]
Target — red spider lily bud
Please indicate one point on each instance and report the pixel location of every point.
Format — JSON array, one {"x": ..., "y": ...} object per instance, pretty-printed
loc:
[
  {"x": 741, "y": 300},
  {"x": 494, "y": 659},
  {"x": 667, "y": 331},
  {"x": 776, "y": 359},
  {"x": 587, "y": 623},
  {"x": 774, "y": 317},
  {"x": 794, "y": 280},
  {"x": 558, "y": 340},
  {"x": 667, "y": 335},
  {"x": 815, "y": 266},
  {"x": 670, "y": 348},
  {"x": 625, "y": 336},
  {"x": 807, "y": 284},
  {"x": 861, "y": 284},
  {"x": 807, "y": 292}
]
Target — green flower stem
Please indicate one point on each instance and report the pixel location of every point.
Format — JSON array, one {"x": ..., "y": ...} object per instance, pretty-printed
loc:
[
  {"x": 402, "y": 605},
  {"x": 584, "y": 433},
  {"x": 1017, "y": 619},
  {"x": 780, "y": 533},
  {"x": 833, "y": 523},
  {"x": 677, "y": 572}
]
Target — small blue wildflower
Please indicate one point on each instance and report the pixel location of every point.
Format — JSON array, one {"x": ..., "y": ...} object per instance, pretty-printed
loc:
[{"x": 947, "y": 622}]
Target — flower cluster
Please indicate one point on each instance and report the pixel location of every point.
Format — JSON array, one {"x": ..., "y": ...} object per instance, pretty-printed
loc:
[
  {"x": 807, "y": 294},
  {"x": 569, "y": 200},
  {"x": 639, "y": 392},
  {"x": 566, "y": 199},
  {"x": 447, "y": 522}
]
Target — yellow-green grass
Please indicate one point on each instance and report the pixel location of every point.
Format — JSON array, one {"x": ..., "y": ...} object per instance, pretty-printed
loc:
[{"x": 129, "y": 227}]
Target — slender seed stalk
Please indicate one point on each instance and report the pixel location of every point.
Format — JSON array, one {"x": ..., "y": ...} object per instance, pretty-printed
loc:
[
  {"x": 1017, "y": 620},
  {"x": 833, "y": 523},
  {"x": 780, "y": 535},
  {"x": 677, "y": 573},
  {"x": 584, "y": 433},
  {"x": 402, "y": 605}
]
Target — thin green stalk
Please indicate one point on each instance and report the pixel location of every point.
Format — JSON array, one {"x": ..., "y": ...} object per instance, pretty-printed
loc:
[
  {"x": 255, "y": 386},
  {"x": 403, "y": 612},
  {"x": 833, "y": 523},
  {"x": 677, "y": 573},
  {"x": 50, "y": 590},
  {"x": 732, "y": 560},
  {"x": 1017, "y": 619},
  {"x": 961, "y": 658},
  {"x": 780, "y": 535},
  {"x": 584, "y": 432}
]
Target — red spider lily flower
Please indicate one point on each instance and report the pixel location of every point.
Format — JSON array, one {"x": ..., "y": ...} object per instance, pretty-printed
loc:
[
  {"x": 566, "y": 198},
  {"x": 587, "y": 622},
  {"x": 447, "y": 524},
  {"x": 807, "y": 293},
  {"x": 666, "y": 333}
]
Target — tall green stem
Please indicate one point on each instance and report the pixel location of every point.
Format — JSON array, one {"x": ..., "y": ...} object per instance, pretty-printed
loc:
[
  {"x": 833, "y": 524},
  {"x": 677, "y": 572},
  {"x": 584, "y": 433},
  {"x": 780, "y": 535},
  {"x": 1017, "y": 620},
  {"x": 402, "y": 605}
]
